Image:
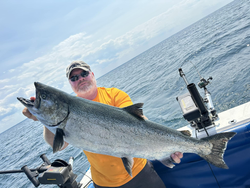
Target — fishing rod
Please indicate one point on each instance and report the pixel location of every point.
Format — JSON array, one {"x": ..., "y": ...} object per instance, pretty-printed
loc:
[{"x": 59, "y": 172}]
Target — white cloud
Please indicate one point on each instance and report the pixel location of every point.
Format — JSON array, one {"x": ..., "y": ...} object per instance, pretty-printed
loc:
[
  {"x": 9, "y": 103},
  {"x": 104, "y": 60},
  {"x": 11, "y": 70},
  {"x": 4, "y": 81}
]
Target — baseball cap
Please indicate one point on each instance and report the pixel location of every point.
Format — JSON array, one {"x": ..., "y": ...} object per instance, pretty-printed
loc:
[{"x": 77, "y": 65}]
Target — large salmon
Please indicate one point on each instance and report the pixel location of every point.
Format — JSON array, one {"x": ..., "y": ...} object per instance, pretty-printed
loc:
[{"x": 120, "y": 132}]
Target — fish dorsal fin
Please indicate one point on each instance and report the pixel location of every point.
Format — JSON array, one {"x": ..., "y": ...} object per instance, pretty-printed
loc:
[
  {"x": 135, "y": 110},
  {"x": 186, "y": 132}
]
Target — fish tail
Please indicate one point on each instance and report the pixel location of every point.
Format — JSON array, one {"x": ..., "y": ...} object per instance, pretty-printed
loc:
[{"x": 219, "y": 142}]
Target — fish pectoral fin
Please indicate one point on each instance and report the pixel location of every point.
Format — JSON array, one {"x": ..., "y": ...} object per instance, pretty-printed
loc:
[
  {"x": 128, "y": 164},
  {"x": 135, "y": 110},
  {"x": 58, "y": 140},
  {"x": 168, "y": 162}
]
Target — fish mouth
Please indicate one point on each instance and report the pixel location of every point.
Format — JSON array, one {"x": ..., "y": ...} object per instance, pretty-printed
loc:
[{"x": 26, "y": 102}]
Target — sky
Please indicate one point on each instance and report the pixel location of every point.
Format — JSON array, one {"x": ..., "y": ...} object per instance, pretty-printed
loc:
[{"x": 39, "y": 39}]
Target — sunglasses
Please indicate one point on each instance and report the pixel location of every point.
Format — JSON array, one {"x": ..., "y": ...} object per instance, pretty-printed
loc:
[{"x": 76, "y": 77}]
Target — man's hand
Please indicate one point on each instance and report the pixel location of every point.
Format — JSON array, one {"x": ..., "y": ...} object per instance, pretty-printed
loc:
[
  {"x": 177, "y": 156},
  {"x": 27, "y": 113}
]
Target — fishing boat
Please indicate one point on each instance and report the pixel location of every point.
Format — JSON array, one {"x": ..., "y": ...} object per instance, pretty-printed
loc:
[{"x": 193, "y": 171}]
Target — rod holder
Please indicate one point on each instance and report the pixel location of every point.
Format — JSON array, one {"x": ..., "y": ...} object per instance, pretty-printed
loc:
[
  {"x": 197, "y": 99},
  {"x": 31, "y": 175}
]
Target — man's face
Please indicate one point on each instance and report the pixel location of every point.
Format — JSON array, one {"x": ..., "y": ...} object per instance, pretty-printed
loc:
[{"x": 83, "y": 84}]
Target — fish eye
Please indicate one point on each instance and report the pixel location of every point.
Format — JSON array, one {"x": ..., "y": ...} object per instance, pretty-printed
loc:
[{"x": 43, "y": 96}]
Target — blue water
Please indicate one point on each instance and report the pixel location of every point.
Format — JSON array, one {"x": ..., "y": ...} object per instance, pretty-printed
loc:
[{"x": 218, "y": 46}]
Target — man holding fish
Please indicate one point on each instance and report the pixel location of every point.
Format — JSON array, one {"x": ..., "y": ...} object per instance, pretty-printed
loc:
[{"x": 107, "y": 171}]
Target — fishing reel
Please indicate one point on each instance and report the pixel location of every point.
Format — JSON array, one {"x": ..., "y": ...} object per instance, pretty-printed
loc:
[
  {"x": 59, "y": 172},
  {"x": 198, "y": 111},
  {"x": 203, "y": 82}
]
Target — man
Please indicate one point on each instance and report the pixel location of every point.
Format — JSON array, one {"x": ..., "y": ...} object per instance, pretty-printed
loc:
[{"x": 107, "y": 171}]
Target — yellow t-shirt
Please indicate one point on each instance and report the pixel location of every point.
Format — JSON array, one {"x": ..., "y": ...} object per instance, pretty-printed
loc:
[{"x": 109, "y": 171}]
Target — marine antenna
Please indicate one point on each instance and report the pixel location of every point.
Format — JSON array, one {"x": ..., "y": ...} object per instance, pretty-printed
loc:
[{"x": 198, "y": 111}]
